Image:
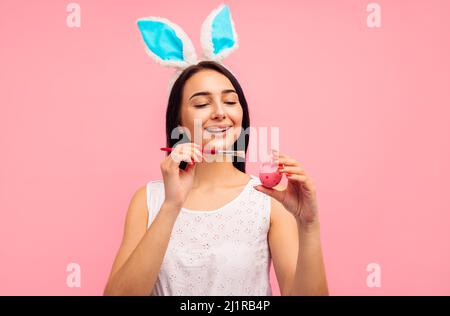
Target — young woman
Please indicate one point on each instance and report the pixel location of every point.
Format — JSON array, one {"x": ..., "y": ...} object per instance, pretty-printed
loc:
[{"x": 214, "y": 229}]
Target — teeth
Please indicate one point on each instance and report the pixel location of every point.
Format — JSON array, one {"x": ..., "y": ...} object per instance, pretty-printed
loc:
[{"x": 216, "y": 130}]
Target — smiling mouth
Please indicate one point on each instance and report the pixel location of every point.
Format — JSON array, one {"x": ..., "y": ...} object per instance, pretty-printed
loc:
[{"x": 216, "y": 130}]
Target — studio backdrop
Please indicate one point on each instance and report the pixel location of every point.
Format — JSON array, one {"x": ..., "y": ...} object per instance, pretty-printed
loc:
[{"x": 359, "y": 91}]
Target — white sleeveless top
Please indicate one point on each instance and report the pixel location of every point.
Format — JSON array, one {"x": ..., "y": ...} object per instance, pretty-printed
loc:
[{"x": 219, "y": 252}]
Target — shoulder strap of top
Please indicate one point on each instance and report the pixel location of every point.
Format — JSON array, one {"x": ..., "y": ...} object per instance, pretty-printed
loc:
[{"x": 155, "y": 192}]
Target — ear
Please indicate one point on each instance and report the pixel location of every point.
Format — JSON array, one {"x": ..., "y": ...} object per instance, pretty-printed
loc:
[
  {"x": 218, "y": 37},
  {"x": 166, "y": 42}
]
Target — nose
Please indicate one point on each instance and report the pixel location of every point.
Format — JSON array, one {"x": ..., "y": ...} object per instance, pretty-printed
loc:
[{"x": 218, "y": 111}]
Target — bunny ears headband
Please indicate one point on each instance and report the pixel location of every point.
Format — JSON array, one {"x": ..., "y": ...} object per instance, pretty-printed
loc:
[{"x": 169, "y": 45}]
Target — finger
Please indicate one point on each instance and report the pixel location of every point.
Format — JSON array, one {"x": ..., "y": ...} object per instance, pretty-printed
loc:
[
  {"x": 181, "y": 150},
  {"x": 279, "y": 155},
  {"x": 292, "y": 170},
  {"x": 198, "y": 156},
  {"x": 276, "y": 194},
  {"x": 282, "y": 159},
  {"x": 177, "y": 158},
  {"x": 195, "y": 153},
  {"x": 195, "y": 149},
  {"x": 186, "y": 146},
  {"x": 302, "y": 179},
  {"x": 287, "y": 161},
  {"x": 306, "y": 182},
  {"x": 171, "y": 163},
  {"x": 190, "y": 169},
  {"x": 165, "y": 164},
  {"x": 190, "y": 158}
]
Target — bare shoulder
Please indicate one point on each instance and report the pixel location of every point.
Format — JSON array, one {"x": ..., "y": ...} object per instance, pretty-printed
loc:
[
  {"x": 139, "y": 198},
  {"x": 135, "y": 227},
  {"x": 137, "y": 210}
]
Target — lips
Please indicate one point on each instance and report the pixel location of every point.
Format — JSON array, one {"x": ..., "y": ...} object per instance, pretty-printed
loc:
[{"x": 217, "y": 129}]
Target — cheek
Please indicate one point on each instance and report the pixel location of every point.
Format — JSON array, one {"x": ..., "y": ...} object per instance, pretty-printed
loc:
[
  {"x": 189, "y": 117},
  {"x": 235, "y": 114}
]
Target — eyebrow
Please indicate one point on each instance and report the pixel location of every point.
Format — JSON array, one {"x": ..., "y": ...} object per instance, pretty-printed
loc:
[{"x": 209, "y": 93}]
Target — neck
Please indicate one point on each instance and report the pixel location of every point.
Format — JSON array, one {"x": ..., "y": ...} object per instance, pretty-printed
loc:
[{"x": 216, "y": 173}]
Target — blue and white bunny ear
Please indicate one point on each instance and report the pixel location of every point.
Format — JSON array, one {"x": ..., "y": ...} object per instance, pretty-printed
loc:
[
  {"x": 166, "y": 42},
  {"x": 218, "y": 36}
]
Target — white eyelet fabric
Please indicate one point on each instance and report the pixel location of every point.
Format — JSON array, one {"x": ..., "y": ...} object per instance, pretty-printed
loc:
[{"x": 216, "y": 252}]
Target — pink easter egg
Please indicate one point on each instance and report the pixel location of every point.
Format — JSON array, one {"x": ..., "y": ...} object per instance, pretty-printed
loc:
[{"x": 271, "y": 179}]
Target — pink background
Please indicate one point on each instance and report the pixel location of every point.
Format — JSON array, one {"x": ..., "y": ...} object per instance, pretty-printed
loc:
[{"x": 366, "y": 110}]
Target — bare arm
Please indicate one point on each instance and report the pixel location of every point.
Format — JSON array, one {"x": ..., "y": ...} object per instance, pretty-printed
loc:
[
  {"x": 295, "y": 237},
  {"x": 310, "y": 276},
  {"x": 283, "y": 242},
  {"x": 137, "y": 264},
  {"x": 296, "y": 254},
  {"x": 142, "y": 251}
]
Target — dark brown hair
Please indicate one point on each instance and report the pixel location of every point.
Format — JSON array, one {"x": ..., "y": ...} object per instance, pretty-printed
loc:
[{"x": 173, "y": 113}]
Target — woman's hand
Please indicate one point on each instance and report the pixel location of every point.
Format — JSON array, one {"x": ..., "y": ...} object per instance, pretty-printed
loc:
[
  {"x": 177, "y": 182},
  {"x": 299, "y": 197}
]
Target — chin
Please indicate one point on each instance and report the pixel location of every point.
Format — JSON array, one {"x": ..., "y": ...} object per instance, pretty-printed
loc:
[{"x": 218, "y": 144}]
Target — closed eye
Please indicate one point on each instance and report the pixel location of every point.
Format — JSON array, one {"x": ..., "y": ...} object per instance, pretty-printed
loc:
[{"x": 203, "y": 105}]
